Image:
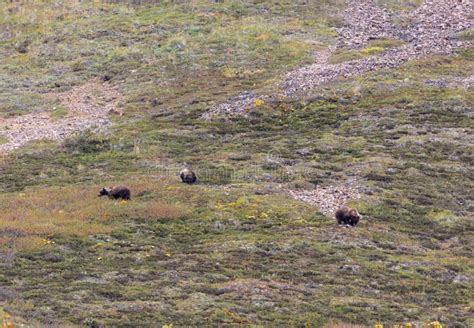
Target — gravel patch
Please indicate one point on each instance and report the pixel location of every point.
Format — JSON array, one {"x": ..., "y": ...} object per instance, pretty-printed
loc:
[
  {"x": 329, "y": 198},
  {"x": 238, "y": 105},
  {"x": 467, "y": 83},
  {"x": 365, "y": 21}
]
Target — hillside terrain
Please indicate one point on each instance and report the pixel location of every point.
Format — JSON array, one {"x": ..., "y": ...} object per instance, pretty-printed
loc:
[{"x": 285, "y": 110}]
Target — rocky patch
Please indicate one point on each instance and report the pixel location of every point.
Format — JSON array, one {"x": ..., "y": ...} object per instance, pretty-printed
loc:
[
  {"x": 87, "y": 108},
  {"x": 328, "y": 198},
  {"x": 238, "y": 105},
  {"x": 365, "y": 21},
  {"x": 467, "y": 83}
]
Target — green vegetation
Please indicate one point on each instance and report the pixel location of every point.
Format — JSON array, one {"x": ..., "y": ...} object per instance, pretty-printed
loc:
[
  {"x": 59, "y": 112},
  {"x": 374, "y": 47},
  {"x": 143, "y": 48},
  {"x": 400, "y": 5},
  {"x": 466, "y": 35},
  {"x": 235, "y": 248}
]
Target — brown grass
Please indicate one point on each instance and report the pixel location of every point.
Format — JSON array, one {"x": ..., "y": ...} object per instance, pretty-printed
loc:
[
  {"x": 54, "y": 210},
  {"x": 156, "y": 210},
  {"x": 29, "y": 218}
]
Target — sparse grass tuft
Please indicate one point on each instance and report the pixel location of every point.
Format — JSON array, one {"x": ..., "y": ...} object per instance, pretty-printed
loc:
[
  {"x": 466, "y": 35},
  {"x": 59, "y": 112},
  {"x": 3, "y": 140},
  {"x": 374, "y": 47}
]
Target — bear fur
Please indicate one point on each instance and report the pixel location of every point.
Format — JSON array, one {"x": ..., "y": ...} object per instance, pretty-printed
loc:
[
  {"x": 348, "y": 216},
  {"x": 187, "y": 176},
  {"x": 117, "y": 192}
]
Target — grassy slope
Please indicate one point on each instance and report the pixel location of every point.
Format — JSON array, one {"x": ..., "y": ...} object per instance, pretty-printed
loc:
[{"x": 216, "y": 252}]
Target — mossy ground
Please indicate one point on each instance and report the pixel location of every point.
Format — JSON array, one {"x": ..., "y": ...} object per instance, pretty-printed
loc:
[
  {"x": 233, "y": 249},
  {"x": 374, "y": 47}
]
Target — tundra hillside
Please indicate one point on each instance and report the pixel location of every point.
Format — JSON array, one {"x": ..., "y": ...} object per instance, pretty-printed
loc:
[{"x": 285, "y": 111}]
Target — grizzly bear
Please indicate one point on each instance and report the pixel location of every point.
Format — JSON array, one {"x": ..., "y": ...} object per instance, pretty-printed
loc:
[
  {"x": 187, "y": 176},
  {"x": 347, "y": 215},
  {"x": 118, "y": 192}
]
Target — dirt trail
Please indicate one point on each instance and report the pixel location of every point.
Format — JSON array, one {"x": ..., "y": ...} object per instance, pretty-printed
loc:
[
  {"x": 430, "y": 29},
  {"x": 87, "y": 106}
]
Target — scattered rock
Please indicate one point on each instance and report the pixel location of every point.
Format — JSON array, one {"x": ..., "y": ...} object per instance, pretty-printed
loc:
[
  {"x": 88, "y": 106},
  {"x": 349, "y": 268},
  {"x": 460, "y": 279},
  {"x": 241, "y": 104},
  {"x": 303, "y": 152},
  {"x": 329, "y": 198},
  {"x": 7, "y": 259},
  {"x": 159, "y": 254},
  {"x": 52, "y": 257},
  {"x": 216, "y": 278},
  {"x": 7, "y": 294},
  {"x": 365, "y": 21},
  {"x": 454, "y": 82},
  {"x": 289, "y": 162}
]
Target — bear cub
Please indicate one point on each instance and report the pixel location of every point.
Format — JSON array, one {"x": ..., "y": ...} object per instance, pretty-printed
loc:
[{"x": 118, "y": 192}]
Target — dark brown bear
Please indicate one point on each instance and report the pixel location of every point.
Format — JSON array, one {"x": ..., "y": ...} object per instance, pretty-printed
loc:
[
  {"x": 347, "y": 215},
  {"x": 187, "y": 176},
  {"x": 118, "y": 192}
]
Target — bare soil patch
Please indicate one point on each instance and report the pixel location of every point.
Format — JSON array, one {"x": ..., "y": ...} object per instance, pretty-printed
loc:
[{"x": 87, "y": 107}]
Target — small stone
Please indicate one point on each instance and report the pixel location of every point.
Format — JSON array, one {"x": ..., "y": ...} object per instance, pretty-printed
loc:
[
  {"x": 303, "y": 152},
  {"x": 460, "y": 279}
]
